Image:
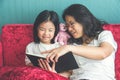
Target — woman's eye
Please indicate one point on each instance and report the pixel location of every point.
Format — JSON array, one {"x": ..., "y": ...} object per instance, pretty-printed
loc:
[
  {"x": 72, "y": 23},
  {"x": 66, "y": 25}
]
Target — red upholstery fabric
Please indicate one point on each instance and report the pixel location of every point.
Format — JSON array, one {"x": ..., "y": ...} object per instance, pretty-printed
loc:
[
  {"x": 115, "y": 28},
  {"x": 15, "y": 37},
  {"x": 1, "y": 57},
  {"x": 28, "y": 73}
]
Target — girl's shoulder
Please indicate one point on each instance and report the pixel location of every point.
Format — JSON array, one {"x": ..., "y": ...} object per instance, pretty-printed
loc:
[
  {"x": 31, "y": 44},
  {"x": 57, "y": 44}
]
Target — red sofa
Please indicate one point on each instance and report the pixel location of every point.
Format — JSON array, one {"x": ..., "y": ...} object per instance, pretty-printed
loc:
[
  {"x": 13, "y": 41},
  {"x": 15, "y": 37}
]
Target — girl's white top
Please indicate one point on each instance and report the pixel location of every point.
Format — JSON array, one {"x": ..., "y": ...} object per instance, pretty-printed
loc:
[{"x": 36, "y": 49}]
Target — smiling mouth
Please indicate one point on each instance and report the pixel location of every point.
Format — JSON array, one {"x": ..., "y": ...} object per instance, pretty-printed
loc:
[
  {"x": 46, "y": 37},
  {"x": 73, "y": 33}
]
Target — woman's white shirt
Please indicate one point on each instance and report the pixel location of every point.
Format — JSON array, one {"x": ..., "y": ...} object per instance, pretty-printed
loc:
[{"x": 97, "y": 69}]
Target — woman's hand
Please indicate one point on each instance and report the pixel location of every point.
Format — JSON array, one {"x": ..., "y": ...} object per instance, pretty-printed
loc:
[
  {"x": 54, "y": 54},
  {"x": 45, "y": 65}
]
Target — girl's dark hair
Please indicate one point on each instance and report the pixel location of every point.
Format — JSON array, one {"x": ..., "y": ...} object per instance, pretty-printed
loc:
[
  {"x": 45, "y": 16},
  {"x": 91, "y": 25}
]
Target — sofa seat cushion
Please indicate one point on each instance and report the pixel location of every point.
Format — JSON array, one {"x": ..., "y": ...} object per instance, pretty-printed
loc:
[
  {"x": 15, "y": 37},
  {"x": 28, "y": 73}
]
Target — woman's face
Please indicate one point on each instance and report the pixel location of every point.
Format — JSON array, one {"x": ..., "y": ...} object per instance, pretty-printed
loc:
[
  {"x": 46, "y": 32},
  {"x": 74, "y": 28}
]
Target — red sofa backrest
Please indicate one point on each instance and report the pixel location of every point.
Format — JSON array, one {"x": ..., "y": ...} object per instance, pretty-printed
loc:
[
  {"x": 115, "y": 28},
  {"x": 1, "y": 56},
  {"x": 15, "y": 37}
]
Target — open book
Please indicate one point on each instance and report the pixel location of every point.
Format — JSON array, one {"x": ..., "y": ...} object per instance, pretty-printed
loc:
[{"x": 65, "y": 62}]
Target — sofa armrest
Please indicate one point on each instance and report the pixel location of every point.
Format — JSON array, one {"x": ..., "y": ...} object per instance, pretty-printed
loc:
[
  {"x": 15, "y": 37},
  {"x": 1, "y": 56}
]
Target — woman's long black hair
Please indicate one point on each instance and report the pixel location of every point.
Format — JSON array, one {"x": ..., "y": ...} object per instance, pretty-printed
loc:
[
  {"x": 91, "y": 25},
  {"x": 45, "y": 16}
]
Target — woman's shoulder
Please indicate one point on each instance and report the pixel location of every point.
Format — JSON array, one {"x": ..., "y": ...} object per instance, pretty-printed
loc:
[{"x": 105, "y": 33}]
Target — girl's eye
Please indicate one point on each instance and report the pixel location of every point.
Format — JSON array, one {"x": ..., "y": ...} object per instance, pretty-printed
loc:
[
  {"x": 50, "y": 30},
  {"x": 41, "y": 29}
]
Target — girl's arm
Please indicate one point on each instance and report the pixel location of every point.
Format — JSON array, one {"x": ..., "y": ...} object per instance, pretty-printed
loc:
[
  {"x": 45, "y": 65},
  {"x": 66, "y": 74},
  {"x": 30, "y": 64}
]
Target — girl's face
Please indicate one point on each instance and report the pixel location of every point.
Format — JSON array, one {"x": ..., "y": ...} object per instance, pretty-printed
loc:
[
  {"x": 74, "y": 28},
  {"x": 46, "y": 32}
]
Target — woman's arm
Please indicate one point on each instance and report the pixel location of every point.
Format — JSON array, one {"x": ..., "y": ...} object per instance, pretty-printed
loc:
[{"x": 91, "y": 52}]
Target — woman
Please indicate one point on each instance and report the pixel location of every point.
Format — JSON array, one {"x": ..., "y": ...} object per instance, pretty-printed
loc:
[{"x": 93, "y": 48}]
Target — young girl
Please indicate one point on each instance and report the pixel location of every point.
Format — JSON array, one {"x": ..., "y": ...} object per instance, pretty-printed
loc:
[{"x": 46, "y": 27}]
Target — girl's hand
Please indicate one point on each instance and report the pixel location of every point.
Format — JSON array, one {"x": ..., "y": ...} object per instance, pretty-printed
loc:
[
  {"x": 54, "y": 54},
  {"x": 45, "y": 65},
  {"x": 30, "y": 64},
  {"x": 66, "y": 74}
]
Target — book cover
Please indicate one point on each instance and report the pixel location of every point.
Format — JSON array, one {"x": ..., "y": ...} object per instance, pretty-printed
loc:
[{"x": 65, "y": 62}]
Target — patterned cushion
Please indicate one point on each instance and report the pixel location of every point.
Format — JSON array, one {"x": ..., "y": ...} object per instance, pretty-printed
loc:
[
  {"x": 15, "y": 37},
  {"x": 115, "y": 28}
]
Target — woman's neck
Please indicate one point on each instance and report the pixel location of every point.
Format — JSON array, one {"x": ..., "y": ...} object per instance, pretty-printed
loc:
[{"x": 86, "y": 40}]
